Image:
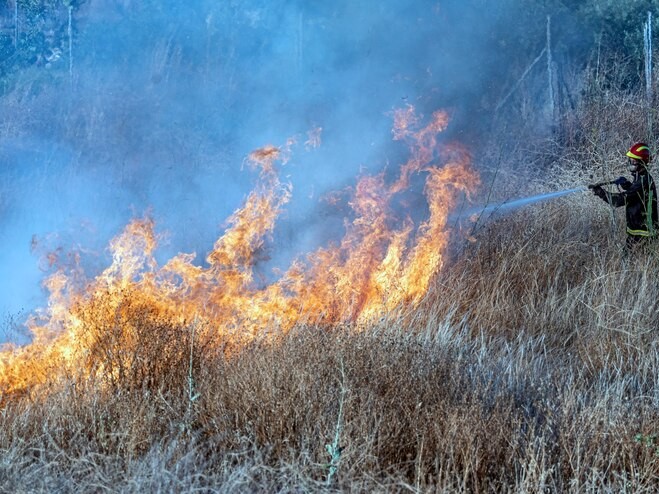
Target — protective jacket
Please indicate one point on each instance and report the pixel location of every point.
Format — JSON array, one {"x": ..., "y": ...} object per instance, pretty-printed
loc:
[{"x": 640, "y": 200}]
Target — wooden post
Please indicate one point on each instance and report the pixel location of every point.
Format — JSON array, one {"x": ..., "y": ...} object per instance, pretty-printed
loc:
[
  {"x": 550, "y": 78},
  {"x": 647, "y": 45},
  {"x": 299, "y": 48},
  {"x": 70, "y": 34},
  {"x": 15, "y": 23}
]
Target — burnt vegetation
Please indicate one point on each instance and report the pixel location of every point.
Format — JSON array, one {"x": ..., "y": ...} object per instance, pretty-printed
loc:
[{"x": 532, "y": 365}]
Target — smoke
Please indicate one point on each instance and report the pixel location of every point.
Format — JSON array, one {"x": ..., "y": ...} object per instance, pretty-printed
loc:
[{"x": 166, "y": 98}]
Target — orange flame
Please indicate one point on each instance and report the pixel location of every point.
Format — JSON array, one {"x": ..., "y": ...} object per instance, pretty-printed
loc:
[{"x": 382, "y": 262}]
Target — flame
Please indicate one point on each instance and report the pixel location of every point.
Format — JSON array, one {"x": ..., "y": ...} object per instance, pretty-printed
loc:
[{"x": 384, "y": 260}]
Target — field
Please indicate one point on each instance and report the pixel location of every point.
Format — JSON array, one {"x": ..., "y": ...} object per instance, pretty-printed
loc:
[
  {"x": 518, "y": 353},
  {"x": 530, "y": 366}
]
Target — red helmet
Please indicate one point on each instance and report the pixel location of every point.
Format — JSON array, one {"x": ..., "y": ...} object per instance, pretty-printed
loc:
[{"x": 639, "y": 151}]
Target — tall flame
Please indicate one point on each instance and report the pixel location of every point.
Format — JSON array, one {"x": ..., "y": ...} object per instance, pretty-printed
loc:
[{"x": 383, "y": 261}]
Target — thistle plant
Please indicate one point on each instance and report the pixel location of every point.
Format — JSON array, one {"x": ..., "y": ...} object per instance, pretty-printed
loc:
[
  {"x": 192, "y": 394},
  {"x": 334, "y": 449}
]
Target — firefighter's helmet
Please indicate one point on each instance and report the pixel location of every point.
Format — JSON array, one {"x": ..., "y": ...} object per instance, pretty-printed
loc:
[{"x": 639, "y": 151}]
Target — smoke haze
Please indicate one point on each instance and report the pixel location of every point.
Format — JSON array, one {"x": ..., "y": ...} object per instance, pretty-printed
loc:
[{"x": 164, "y": 100}]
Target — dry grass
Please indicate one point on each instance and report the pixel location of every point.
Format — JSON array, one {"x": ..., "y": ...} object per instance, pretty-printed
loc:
[{"x": 531, "y": 367}]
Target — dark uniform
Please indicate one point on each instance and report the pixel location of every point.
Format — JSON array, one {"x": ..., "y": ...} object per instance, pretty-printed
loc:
[{"x": 639, "y": 198}]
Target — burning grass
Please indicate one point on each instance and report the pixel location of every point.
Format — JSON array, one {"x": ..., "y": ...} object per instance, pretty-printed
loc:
[
  {"x": 531, "y": 365},
  {"x": 385, "y": 259},
  {"x": 528, "y": 363}
]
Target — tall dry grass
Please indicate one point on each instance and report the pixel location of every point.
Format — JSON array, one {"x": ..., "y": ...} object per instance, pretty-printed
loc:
[{"x": 532, "y": 366}]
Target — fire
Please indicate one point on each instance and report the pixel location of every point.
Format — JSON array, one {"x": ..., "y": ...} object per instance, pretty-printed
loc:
[{"x": 384, "y": 260}]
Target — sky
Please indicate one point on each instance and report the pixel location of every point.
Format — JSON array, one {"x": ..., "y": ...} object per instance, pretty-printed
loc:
[{"x": 157, "y": 104}]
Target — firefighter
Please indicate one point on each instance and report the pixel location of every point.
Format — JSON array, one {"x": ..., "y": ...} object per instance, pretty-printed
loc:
[{"x": 638, "y": 196}]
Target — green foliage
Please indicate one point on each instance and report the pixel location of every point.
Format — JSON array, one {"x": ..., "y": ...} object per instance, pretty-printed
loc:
[
  {"x": 649, "y": 441},
  {"x": 42, "y": 38},
  {"x": 617, "y": 25}
]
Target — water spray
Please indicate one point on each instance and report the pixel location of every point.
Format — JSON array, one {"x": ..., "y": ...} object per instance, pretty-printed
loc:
[{"x": 481, "y": 211}]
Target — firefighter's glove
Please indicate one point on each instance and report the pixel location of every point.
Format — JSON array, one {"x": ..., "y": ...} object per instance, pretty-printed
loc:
[
  {"x": 622, "y": 181},
  {"x": 599, "y": 192}
]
